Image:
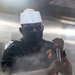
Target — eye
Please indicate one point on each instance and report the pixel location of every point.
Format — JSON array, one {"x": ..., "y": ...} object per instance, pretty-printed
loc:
[{"x": 30, "y": 29}]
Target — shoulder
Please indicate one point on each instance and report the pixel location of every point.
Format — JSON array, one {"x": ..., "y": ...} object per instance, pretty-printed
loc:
[
  {"x": 16, "y": 43},
  {"x": 14, "y": 46},
  {"x": 48, "y": 45}
]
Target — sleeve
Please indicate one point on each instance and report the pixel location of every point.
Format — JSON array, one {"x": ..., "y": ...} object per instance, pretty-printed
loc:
[
  {"x": 68, "y": 67},
  {"x": 8, "y": 60},
  {"x": 63, "y": 54}
]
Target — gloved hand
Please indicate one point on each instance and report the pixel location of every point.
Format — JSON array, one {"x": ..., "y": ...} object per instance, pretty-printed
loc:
[
  {"x": 56, "y": 66},
  {"x": 58, "y": 42},
  {"x": 63, "y": 66}
]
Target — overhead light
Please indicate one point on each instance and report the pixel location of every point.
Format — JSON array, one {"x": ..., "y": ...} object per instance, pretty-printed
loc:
[
  {"x": 65, "y": 21},
  {"x": 68, "y": 18},
  {"x": 13, "y": 24},
  {"x": 69, "y": 41},
  {"x": 59, "y": 31}
]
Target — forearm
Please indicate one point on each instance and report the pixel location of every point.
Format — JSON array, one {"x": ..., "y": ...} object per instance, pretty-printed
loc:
[
  {"x": 50, "y": 71},
  {"x": 68, "y": 70},
  {"x": 68, "y": 67},
  {"x": 5, "y": 66}
]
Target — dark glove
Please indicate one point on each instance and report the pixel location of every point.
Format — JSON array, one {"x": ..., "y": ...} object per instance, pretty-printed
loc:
[
  {"x": 56, "y": 66},
  {"x": 58, "y": 42}
]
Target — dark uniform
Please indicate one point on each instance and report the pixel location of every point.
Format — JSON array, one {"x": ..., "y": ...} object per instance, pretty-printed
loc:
[{"x": 18, "y": 57}]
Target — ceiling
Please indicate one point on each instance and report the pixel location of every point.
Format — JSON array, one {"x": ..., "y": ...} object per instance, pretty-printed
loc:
[
  {"x": 53, "y": 8},
  {"x": 17, "y": 6}
]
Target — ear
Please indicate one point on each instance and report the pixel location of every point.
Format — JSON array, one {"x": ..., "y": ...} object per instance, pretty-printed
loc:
[{"x": 20, "y": 29}]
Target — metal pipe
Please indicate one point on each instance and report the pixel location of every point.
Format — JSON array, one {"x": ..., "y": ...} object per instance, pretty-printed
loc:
[{"x": 58, "y": 57}]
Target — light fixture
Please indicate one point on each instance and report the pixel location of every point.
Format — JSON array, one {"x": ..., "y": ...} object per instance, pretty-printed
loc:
[
  {"x": 66, "y": 21},
  {"x": 13, "y": 24}
]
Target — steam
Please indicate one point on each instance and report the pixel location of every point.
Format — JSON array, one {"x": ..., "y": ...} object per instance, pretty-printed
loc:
[{"x": 29, "y": 65}]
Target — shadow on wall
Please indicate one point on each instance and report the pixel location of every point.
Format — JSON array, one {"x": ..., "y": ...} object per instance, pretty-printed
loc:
[{"x": 2, "y": 45}]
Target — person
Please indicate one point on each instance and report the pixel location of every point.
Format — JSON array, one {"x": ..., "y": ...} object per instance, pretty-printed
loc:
[{"x": 32, "y": 52}]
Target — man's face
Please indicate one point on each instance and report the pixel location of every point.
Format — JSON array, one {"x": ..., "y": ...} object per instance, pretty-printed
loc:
[{"x": 32, "y": 33}]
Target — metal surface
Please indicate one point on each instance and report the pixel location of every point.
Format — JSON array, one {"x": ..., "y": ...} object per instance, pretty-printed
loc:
[{"x": 67, "y": 33}]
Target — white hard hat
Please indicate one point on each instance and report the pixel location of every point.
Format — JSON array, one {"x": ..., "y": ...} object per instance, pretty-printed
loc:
[{"x": 30, "y": 16}]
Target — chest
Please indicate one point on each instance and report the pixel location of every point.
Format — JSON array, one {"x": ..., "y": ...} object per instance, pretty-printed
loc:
[{"x": 36, "y": 60}]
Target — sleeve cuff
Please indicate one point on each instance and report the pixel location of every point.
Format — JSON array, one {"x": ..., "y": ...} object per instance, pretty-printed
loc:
[{"x": 63, "y": 54}]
